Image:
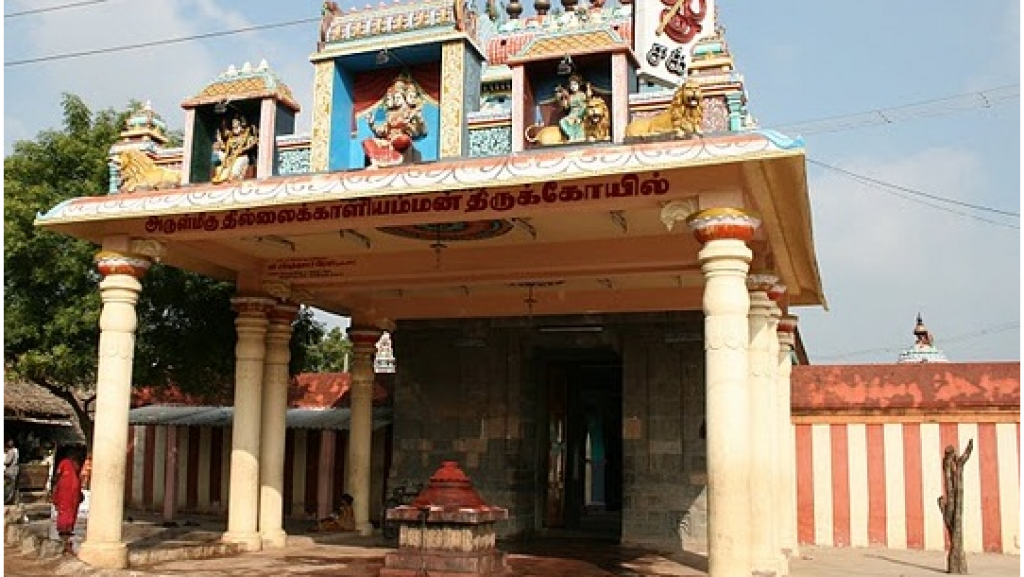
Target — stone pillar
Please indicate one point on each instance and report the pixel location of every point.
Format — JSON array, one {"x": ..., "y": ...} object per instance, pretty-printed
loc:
[
  {"x": 453, "y": 97},
  {"x": 119, "y": 291},
  {"x": 323, "y": 95},
  {"x": 787, "y": 454},
  {"x": 778, "y": 418},
  {"x": 272, "y": 436},
  {"x": 725, "y": 260},
  {"x": 250, "y": 351},
  {"x": 360, "y": 437},
  {"x": 763, "y": 541}
]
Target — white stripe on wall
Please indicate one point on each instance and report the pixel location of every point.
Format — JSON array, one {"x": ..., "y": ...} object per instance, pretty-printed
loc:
[
  {"x": 972, "y": 488},
  {"x": 931, "y": 486},
  {"x": 821, "y": 457},
  {"x": 895, "y": 506},
  {"x": 1009, "y": 486},
  {"x": 857, "y": 451}
]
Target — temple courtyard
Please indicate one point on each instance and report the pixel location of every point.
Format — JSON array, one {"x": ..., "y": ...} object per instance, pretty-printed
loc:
[{"x": 158, "y": 550}]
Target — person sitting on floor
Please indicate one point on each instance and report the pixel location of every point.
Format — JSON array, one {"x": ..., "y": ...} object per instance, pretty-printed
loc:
[{"x": 344, "y": 520}]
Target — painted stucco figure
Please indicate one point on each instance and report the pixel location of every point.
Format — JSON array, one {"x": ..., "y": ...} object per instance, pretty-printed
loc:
[
  {"x": 232, "y": 150},
  {"x": 683, "y": 117},
  {"x": 586, "y": 116},
  {"x": 139, "y": 172},
  {"x": 395, "y": 124},
  {"x": 574, "y": 102}
]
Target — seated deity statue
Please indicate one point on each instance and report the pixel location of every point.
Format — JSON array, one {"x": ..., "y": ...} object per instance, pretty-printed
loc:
[{"x": 233, "y": 149}]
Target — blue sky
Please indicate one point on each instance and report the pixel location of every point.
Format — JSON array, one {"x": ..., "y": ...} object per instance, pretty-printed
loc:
[{"x": 841, "y": 74}]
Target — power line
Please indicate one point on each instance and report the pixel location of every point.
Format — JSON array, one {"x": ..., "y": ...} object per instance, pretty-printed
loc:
[
  {"x": 956, "y": 339},
  {"x": 123, "y": 48},
  {"x": 54, "y": 8},
  {"x": 885, "y": 187},
  {"x": 912, "y": 191},
  {"x": 987, "y": 98}
]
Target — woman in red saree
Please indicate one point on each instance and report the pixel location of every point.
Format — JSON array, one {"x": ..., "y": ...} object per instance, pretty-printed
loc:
[{"x": 67, "y": 494}]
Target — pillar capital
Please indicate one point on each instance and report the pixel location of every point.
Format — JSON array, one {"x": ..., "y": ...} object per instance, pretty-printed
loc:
[
  {"x": 244, "y": 304},
  {"x": 723, "y": 223},
  {"x": 364, "y": 336},
  {"x": 787, "y": 331},
  {"x": 109, "y": 262},
  {"x": 761, "y": 282},
  {"x": 777, "y": 291},
  {"x": 282, "y": 313}
]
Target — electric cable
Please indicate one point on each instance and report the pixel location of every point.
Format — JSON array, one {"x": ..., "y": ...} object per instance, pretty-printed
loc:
[{"x": 54, "y": 8}]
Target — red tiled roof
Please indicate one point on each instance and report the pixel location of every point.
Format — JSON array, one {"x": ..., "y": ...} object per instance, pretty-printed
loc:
[{"x": 306, "y": 391}]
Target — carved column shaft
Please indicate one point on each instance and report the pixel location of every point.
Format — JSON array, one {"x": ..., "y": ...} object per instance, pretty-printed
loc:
[
  {"x": 787, "y": 447},
  {"x": 777, "y": 417},
  {"x": 360, "y": 440},
  {"x": 119, "y": 292},
  {"x": 272, "y": 438},
  {"x": 762, "y": 429},
  {"x": 250, "y": 351},
  {"x": 725, "y": 261}
]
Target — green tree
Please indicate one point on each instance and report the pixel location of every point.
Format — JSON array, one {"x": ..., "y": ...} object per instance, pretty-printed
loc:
[
  {"x": 330, "y": 354},
  {"x": 186, "y": 334}
]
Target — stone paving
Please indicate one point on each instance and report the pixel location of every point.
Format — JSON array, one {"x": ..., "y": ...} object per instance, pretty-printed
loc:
[{"x": 154, "y": 547}]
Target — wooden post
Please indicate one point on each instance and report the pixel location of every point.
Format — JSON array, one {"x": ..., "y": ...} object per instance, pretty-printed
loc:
[{"x": 952, "y": 506}]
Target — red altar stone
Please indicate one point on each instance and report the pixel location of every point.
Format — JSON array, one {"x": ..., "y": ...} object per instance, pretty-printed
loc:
[{"x": 448, "y": 531}]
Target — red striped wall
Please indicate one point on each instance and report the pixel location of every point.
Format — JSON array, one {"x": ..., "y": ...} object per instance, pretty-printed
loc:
[
  {"x": 203, "y": 484},
  {"x": 860, "y": 418}
]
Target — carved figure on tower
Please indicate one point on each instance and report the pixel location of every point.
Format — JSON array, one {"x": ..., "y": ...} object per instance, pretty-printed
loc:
[
  {"x": 395, "y": 123},
  {"x": 574, "y": 102},
  {"x": 233, "y": 149}
]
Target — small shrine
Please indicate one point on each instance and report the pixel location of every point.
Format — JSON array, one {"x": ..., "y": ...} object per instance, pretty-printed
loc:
[
  {"x": 447, "y": 530},
  {"x": 923, "y": 350}
]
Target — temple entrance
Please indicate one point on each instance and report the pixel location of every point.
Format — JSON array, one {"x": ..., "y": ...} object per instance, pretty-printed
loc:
[{"x": 583, "y": 437}]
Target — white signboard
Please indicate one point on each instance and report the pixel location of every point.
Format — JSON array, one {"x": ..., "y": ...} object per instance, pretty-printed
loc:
[{"x": 665, "y": 32}]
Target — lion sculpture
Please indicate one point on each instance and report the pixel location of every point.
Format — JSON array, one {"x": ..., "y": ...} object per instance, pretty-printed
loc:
[
  {"x": 683, "y": 117},
  {"x": 597, "y": 120},
  {"x": 139, "y": 172},
  {"x": 596, "y": 126}
]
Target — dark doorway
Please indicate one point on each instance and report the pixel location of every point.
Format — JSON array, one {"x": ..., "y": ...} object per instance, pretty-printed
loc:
[{"x": 583, "y": 437}]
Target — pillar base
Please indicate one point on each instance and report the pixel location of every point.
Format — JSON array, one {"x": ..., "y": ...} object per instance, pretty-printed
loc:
[
  {"x": 251, "y": 541},
  {"x": 364, "y": 529},
  {"x": 412, "y": 563},
  {"x": 274, "y": 539},
  {"x": 782, "y": 565},
  {"x": 104, "y": 555}
]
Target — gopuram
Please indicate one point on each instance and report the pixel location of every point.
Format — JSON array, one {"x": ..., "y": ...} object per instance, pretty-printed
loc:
[{"x": 587, "y": 254}]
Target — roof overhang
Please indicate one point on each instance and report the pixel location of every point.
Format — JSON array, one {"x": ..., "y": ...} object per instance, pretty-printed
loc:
[
  {"x": 217, "y": 416},
  {"x": 577, "y": 229}
]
